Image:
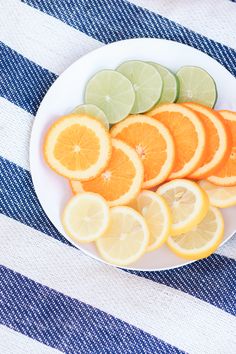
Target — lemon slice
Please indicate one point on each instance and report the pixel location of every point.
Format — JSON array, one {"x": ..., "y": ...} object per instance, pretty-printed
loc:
[
  {"x": 188, "y": 203},
  {"x": 112, "y": 92},
  {"x": 157, "y": 215},
  {"x": 202, "y": 240},
  {"x": 146, "y": 81},
  {"x": 126, "y": 238},
  {"x": 219, "y": 196},
  {"x": 86, "y": 217},
  {"x": 92, "y": 111}
]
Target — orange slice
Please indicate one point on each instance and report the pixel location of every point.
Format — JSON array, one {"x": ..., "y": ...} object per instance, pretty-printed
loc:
[
  {"x": 226, "y": 175},
  {"x": 218, "y": 145},
  {"x": 189, "y": 136},
  {"x": 77, "y": 147},
  {"x": 122, "y": 179},
  {"x": 153, "y": 143}
]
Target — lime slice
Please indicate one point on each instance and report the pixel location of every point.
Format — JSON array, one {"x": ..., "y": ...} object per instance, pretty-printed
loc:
[
  {"x": 147, "y": 83},
  {"x": 170, "y": 84},
  {"x": 112, "y": 92},
  {"x": 93, "y": 111},
  {"x": 196, "y": 85}
]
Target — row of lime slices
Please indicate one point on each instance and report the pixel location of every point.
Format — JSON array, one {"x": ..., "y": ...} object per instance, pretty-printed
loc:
[{"x": 137, "y": 86}]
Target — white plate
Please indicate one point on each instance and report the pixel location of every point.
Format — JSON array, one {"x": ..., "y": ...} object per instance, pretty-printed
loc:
[{"x": 67, "y": 92}]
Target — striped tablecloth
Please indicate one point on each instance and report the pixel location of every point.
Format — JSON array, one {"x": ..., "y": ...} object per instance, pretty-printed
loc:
[{"x": 52, "y": 297}]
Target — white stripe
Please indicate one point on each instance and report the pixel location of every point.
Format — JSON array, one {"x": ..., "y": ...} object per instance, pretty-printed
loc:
[
  {"x": 173, "y": 316},
  {"x": 42, "y": 38},
  {"x": 12, "y": 342},
  {"x": 15, "y": 128},
  {"x": 212, "y": 18}
]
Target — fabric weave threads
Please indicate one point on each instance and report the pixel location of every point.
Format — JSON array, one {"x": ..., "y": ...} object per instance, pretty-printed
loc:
[
  {"x": 23, "y": 82},
  {"x": 112, "y": 21},
  {"x": 19, "y": 201},
  {"x": 67, "y": 324},
  {"x": 37, "y": 310}
]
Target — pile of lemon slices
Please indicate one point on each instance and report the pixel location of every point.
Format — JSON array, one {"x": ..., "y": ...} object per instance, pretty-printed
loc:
[{"x": 178, "y": 213}]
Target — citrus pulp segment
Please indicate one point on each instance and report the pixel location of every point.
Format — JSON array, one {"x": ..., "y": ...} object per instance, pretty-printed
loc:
[
  {"x": 170, "y": 84},
  {"x": 188, "y": 204},
  {"x": 92, "y": 111},
  {"x": 218, "y": 145},
  {"x": 77, "y": 147},
  {"x": 146, "y": 81},
  {"x": 189, "y": 137},
  {"x": 157, "y": 215},
  {"x": 202, "y": 240},
  {"x": 86, "y": 217},
  {"x": 126, "y": 238},
  {"x": 112, "y": 92},
  {"x": 153, "y": 143},
  {"x": 196, "y": 85},
  {"x": 226, "y": 175},
  {"x": 219, "y": 196},
  {"x": 122, "y": 179}
]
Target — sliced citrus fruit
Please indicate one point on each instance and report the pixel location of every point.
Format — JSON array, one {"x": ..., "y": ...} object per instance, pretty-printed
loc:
[
  {"x": 226, "y": 175},
  {"x": 196, "y": 85},
  {"x": 86, "y": 217},
  {"x": 122, "y": 179},
  {"x": 157, "y": 214},
  {"x": 170, "y": 84},
  {"x": 218, "y": 145},
  {"x": 112, "y": 92},
  {"x": 153, "y": 143},
  {"x": 189, "y": 136},
  {"x": 146, "y": 81},
  {"x": 219, "y": 196},
  {"x": 202, "y": 240},
  {"x": 188, "y": 203},
  {"x": 77, "y": 146},
  {"x": 126, "y": 238},
  {"x": 93, "y": 111}
]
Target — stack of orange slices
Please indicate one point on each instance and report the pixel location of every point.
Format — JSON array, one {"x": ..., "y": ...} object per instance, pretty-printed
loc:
[{"x": 168, "y": 148}]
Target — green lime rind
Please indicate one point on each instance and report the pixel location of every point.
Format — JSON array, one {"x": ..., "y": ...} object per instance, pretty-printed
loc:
[
  {"x": 196, "y": 85},
  {"x": 170, "y": 84},
  {"x": 147, "y": 83},
  {"x": 93, "y": 111},
  {"x": 112, "y": 92}
]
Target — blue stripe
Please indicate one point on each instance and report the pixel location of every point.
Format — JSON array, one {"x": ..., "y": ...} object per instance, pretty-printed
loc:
[
  {"x": 19, "y": 201},
  {"x": 67, "y": 324},
  {"x": 23, "y": 82},
  {"x": 211, "y": 279},
  {"x": 109, "y": 21}
]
